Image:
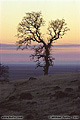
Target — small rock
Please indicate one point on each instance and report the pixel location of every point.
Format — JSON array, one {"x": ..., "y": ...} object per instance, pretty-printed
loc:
[
  {"x": 78, "y": 88},
  {"x": 78, "y": 100},
  {"x": 32, "y": 78},
  {"x": 27, "y": 96},
  {"x": 0, "y": 117},
  {"x": 60, "y": 94},
  {"x": 56, "y": 88},
  {"x": 28, "y": 103},
  {"x": 74, "y": 81},
  {"x": 12, "y": 98},
  {"x": 34, "y": 102},
  {"x": 68, "y": 89},
  {"x": 29, "y": 117},
  {"x": 73, "y": 113}
]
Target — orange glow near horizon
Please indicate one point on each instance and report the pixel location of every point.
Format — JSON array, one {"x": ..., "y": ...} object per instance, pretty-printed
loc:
[{"x": 12, "y": 12}]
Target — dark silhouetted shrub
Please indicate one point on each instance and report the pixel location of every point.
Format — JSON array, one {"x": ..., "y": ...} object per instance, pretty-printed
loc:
[{"x": 4, "y": 73}]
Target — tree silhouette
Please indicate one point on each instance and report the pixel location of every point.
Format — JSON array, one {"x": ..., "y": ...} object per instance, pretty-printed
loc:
[{"x": 29, "y": 30}]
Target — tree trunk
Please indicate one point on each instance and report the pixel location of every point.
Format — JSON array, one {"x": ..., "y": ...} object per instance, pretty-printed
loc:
[
  {"x": 46, "y": 70},
  {"x": 46, "y": 67}
]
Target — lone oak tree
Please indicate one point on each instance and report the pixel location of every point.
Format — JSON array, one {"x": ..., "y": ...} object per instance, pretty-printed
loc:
[{"x": 30, "y": 30}]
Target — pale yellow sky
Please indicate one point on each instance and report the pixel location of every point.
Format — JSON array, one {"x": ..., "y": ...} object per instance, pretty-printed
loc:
[{"x": 12, "y": 12}]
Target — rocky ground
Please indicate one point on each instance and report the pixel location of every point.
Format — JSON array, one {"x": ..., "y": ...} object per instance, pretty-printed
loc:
[{"x": 40, "y": 97}]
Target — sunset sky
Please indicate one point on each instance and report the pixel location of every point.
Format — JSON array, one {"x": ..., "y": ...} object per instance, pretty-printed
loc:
[{"x": 12, "y": 12}]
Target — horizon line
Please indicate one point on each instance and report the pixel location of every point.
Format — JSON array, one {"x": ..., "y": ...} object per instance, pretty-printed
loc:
[{"x": 59, "y": 45}]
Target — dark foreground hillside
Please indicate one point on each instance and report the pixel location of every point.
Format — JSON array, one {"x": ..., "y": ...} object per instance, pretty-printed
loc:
[{"x": 36, "y": 98}]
